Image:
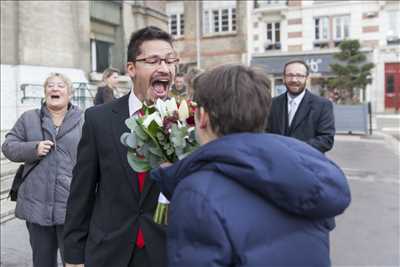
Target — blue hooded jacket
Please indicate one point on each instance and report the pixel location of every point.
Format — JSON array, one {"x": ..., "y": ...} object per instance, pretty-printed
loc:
[{"x": 252, "y": 200}]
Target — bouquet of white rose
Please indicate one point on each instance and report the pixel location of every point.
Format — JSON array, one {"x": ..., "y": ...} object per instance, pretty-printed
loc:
[{"x": 165, "y": 133}]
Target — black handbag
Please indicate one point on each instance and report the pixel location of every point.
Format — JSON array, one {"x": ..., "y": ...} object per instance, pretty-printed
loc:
[{"x": 19, "y": 178}]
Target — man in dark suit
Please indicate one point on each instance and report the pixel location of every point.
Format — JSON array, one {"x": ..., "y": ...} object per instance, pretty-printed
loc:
[
  {"x": 301, "y": 114},
  {"x": 109, "y": 219}
]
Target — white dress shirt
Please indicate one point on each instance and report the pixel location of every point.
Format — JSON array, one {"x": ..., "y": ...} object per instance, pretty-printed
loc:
[
  {"x": 295, "y": 105},
  {"x": 134, "y": 104}
]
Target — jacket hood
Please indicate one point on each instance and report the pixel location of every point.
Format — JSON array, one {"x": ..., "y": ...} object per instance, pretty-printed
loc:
[
  {"x": 285, "y": 171},
  {"x": 73, "y": 117}
]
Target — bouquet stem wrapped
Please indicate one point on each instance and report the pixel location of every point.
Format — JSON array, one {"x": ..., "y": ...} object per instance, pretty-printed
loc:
[{"x": 161, "y": 213}]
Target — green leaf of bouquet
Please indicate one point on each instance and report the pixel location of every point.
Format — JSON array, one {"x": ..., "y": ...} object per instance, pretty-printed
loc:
[
  {"x": 170, "y": 151},
  {"x": 160, "y": 136},
  {"x": 156, "y": 151},
  {"x": 153, "y": 128},
  {"x": 151, "y": 109},
  {"x": 154, "y": 141},
  {"x": 176, "y": 137},
  {"x": 129, "y": 139},
  {"x": 140, "y": 132},
  {"x": 131, "y": 123},
  {"x": 137, "y": 164},
  {"x": 155, "y": 160},
  {"x": 143, "y": 150}
]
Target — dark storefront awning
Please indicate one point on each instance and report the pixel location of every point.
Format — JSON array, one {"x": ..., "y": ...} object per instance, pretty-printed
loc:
[{"x": 318, "y": 63}]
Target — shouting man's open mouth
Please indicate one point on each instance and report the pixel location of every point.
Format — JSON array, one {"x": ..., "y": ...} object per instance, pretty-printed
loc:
[{"x": 160, "y": 86}]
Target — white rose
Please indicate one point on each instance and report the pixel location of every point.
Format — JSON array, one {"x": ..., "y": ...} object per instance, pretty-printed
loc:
[
  {"x": 171, "y": 106},
  {"x": 183, "y": 111},
  {"x": 155, "y": 116}
]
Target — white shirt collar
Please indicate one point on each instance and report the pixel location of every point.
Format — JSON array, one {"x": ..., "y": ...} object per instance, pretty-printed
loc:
[
  {"x": 134, "y": 103},
  {"x": 297, "y": 99}
]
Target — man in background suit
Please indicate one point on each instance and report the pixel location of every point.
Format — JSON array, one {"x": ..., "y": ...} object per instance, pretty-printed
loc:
[
  {"x": 109, "y": 220},
  {"x": 301, "y": 114}
]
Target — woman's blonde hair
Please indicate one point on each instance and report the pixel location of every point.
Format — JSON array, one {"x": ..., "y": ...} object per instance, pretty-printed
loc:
[
  {"x": 107, "y": 74},
  {"x": 64, "y": 78}
]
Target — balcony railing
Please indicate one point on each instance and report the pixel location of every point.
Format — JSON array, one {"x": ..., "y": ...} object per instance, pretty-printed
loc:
[
  {"x": 83, "y": 93},
  {"x": 269, "y": 3}
]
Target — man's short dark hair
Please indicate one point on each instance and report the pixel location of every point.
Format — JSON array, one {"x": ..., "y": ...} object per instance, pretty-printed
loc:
[
  {"x": 296, "y": 61},
  {"x": 149, "y": 33},
  {"x": 237, "y": 98}
]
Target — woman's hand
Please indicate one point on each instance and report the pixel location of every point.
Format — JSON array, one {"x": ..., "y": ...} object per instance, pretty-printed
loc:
[{"x": 44, "y": 147}]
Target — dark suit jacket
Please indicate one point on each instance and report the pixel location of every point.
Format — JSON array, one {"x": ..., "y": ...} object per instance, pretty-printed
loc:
[
  {"x": 105, "y": 207},
  {"x": 313, "y": 122}
]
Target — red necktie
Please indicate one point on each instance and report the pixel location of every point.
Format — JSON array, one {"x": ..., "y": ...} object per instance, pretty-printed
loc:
[
  {"x": 140, "y": 237},
  {"x": 141, "y": 177}
]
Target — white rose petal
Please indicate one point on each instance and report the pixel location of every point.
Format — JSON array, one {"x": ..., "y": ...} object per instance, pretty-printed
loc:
[
  {"x": 183, "y": 111},
  {"x": 171, "y": 106},
  {"x": 162, "y": 108},
  {"x": 155, "y": 116},
  {"x": 157, "y": 119}
]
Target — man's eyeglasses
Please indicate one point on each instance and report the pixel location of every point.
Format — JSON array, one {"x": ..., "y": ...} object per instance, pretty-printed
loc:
[
  {"x": 298, "y": 76},
  {"x": 155, "y": 60}
]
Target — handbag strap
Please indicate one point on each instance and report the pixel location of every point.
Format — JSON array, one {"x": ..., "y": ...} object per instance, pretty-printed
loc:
[{"x": 41, "y": 115}]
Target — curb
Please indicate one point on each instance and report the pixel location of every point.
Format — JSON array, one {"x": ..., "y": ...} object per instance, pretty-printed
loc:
[{"x": 392, "y": 143}]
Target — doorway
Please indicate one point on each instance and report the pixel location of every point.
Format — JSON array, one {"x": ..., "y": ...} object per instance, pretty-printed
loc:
[{"x": 392, "y": 86}]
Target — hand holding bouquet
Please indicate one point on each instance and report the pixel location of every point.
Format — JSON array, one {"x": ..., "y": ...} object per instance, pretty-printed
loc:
[{"x": 165, "y": 133}]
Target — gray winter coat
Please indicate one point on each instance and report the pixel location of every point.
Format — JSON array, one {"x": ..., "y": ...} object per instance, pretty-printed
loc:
[{"x": 42, "y": 198}]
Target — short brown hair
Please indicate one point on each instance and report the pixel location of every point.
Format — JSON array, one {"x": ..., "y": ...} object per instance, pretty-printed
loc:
[
  {"x": 149, "y": 33},
  {"x": 237, "y": 98},
  {"x": 296, "y": 60}
]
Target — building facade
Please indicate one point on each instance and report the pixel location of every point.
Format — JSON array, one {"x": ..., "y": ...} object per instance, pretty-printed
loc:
[
  {"x": 77, "y": 38},
  {"x": 312, "y": 30},
  {"x": 209, "y": 33}
]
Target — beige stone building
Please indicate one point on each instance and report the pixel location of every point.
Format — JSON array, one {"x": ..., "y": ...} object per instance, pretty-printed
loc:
[
  {"x": 209, "y": 33},
  {"x": 77, "y": 38}
]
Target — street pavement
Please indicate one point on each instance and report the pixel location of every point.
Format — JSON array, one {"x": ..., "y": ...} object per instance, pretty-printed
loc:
[{"x": 367, "y": 234}]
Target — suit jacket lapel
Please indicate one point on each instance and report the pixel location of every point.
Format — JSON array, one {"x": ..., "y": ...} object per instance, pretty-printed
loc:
[
  {"x": 302, "y": 112},
  {"x": 282, "y": 109},
  {"x": 148, "y": 183},
  {"x": 120, "y": 112}
]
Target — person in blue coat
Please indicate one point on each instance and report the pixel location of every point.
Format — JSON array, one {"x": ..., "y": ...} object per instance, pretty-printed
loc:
[{"x": 248, "y": 198}]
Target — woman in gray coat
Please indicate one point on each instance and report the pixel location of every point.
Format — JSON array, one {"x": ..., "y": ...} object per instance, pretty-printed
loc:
[{"x": 49, "y": 135}]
